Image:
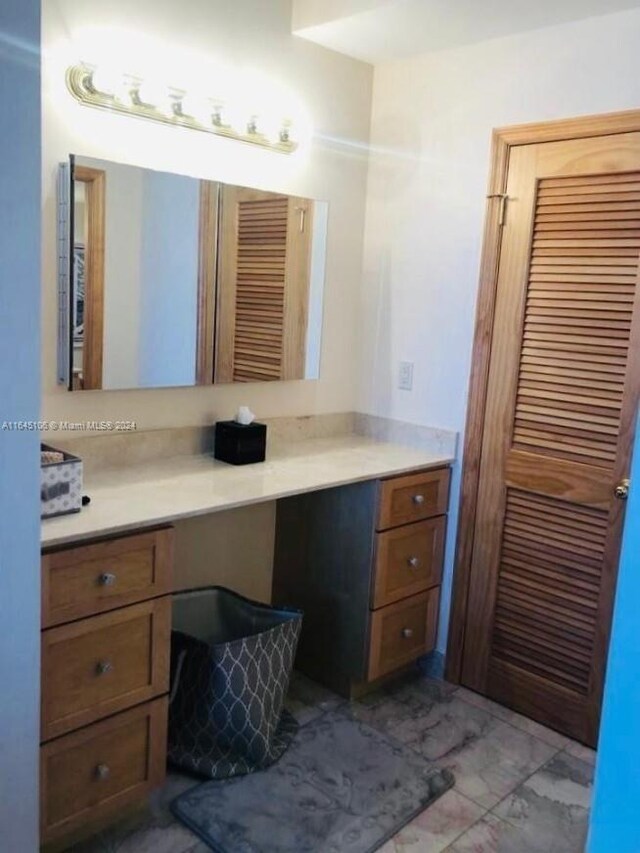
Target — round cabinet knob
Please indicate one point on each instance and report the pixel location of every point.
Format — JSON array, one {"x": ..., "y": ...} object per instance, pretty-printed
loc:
[
  {"x": 418, "y": 499},
  {"x": 102, "y": 771},
  {"x": 621, "y": 491},
  {"x": 103, "y": 667},
  {"x": 414, "y": 562},
  {"x": 107, "y": 579},
  {"x": 407, "y": 633}
]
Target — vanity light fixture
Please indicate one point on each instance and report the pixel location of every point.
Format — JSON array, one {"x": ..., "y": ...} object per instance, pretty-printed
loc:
[{"x": 130, "y": 95}]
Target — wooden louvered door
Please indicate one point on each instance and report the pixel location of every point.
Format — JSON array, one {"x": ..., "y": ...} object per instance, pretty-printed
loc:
[
  {"x": 563, "y": 387},
  {"x": 264, "y": 258}
]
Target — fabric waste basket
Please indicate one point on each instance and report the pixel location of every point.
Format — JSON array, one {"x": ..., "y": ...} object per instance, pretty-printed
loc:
[{"x": 231, "y": 662}]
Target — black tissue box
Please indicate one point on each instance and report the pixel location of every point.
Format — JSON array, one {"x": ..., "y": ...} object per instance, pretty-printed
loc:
[{"x": 240, "y": 444}]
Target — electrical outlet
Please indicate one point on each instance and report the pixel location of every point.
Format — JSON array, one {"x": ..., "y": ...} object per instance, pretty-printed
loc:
[{"x": 405, "y": 376}]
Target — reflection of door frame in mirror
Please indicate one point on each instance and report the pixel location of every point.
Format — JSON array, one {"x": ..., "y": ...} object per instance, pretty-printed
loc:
[
  {"x": 92, "y": 345},
  {"x": 282, "y": 277},
  {"x": 297, "y": 285},
  {"x": 207, "y": 263}
]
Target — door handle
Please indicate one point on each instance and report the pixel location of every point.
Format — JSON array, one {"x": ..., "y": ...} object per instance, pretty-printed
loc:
[{"x": 621, "y": 491}]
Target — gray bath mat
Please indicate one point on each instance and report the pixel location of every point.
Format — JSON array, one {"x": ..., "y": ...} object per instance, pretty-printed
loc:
[{"x": 342, "y": 787}]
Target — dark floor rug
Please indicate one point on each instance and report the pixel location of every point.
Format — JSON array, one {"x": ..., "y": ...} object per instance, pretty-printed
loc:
[{"x": 342, "y": 787}]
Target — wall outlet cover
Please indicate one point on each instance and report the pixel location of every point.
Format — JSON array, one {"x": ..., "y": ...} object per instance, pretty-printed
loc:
[{"x": 405, "y": 376}]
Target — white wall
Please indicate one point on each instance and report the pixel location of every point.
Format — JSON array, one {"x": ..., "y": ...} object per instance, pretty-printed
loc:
[
  {"x": 431, "y": 126},
  {"x": 334, "y": 90},
  {"x": 19, "y": 400}
]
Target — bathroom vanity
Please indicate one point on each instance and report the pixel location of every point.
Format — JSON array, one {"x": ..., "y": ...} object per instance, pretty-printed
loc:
[
  {"x": 168, "y": 280},
  {"x": 359, "y": 546},
  {"x": 364, "y": 562}
]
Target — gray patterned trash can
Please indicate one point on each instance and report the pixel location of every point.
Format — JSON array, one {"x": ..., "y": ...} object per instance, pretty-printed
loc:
[{"x": 231, "y": 661}]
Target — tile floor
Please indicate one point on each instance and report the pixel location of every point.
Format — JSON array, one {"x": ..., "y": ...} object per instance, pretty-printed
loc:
[{"x": 520, "y": 787}]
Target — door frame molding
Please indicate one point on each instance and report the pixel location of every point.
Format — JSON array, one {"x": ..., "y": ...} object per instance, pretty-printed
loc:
[
  {"x": 209, "y": 198},
  {"x": 503, "y": 139}
]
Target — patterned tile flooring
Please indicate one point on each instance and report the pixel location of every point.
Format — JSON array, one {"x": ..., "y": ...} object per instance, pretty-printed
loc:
[{"x": 520, "y": 787}]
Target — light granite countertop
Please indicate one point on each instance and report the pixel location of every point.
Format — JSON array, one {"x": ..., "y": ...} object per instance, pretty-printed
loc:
[{"x": 154, "y": 493}]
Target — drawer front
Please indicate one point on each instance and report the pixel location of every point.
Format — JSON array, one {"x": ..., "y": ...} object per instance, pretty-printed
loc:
[
  {"x": 88, "y": 775},
  {"x": 102, "y": 665},
  {"x": 89, "y": 579},
  {"x": 402, "y": 632},
  {"x": 408, "y": 560},
  {"x": 413, "y": 498}
]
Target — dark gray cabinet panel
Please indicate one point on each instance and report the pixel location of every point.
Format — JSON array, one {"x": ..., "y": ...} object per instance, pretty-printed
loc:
[{"x": 323, "y": 564}]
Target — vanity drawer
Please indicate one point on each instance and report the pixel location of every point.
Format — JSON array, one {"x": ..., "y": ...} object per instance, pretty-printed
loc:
[
  {"x": 413, "y": 498},
  {"x": 402, "y": 632},
  {"x": 88, "y": 579},
  {"x": 104, "y": 664},
  {"x": 408, "y": 560},
  {"x": 88, "y": 775}
]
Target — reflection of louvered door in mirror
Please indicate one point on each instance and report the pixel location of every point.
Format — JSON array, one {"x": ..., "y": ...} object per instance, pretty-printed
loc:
[
  {"x": 563, "y": 387},
  {"x": 263, "y": 286}
]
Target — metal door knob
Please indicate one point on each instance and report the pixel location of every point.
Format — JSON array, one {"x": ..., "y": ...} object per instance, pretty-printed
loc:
[
  {"x": 407, "y": 633},
  {"x": 107, "y": 579},
  {"x": 103, "y": 667},
  {"x": 414, "y": 562},
  {"x": 621, "y": 491},
  {"x": 418, "y": 499},
  {"x": 102, "y": 771}
]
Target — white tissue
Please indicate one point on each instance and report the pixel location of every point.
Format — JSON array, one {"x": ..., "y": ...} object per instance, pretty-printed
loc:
[{"x": 244, "y": 416}]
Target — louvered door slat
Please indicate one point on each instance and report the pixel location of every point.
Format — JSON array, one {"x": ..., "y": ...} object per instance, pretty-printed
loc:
[{"x": 590, "y": 183}]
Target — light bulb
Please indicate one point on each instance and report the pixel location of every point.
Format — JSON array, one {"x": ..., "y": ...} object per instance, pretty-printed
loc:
[
  {"x": 113, "y": 84},
  {"x": 274, "y": 128},
  {"x": 106, "y": 81},
  {"x": 286, "y": 132},
  {"x": 219, "y": 116},
  {"x": 239, "y": 116},
  {"x": 198, "y": 107},
  {"x": 152, "y": 93}
]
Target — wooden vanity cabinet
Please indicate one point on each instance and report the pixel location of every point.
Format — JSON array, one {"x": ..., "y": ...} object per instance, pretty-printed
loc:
[
  {"x": 106, "y": 619},
  {"x": 364, "y": 563}
]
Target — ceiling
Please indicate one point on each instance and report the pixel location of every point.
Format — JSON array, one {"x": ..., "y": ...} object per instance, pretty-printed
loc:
[{"x": 381, "y": 30}]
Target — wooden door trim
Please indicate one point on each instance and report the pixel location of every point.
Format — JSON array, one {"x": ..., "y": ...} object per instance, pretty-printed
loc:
[
  {"x": 225, "y": 312},
  {"x": 92, "y": 345},
  {"x": 503, "y": 139},
  {"x": 207, "y": 265},
  {"x": 297, "y": 287}
]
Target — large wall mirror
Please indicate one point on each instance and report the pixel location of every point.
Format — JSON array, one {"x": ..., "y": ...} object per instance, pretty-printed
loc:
[{"x": 177, "y": 281}]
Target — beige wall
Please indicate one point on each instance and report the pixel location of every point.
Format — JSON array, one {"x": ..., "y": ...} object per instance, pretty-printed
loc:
[
  {"x": 336, "y": 94},
  {"x": 232, "y": 549}
]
